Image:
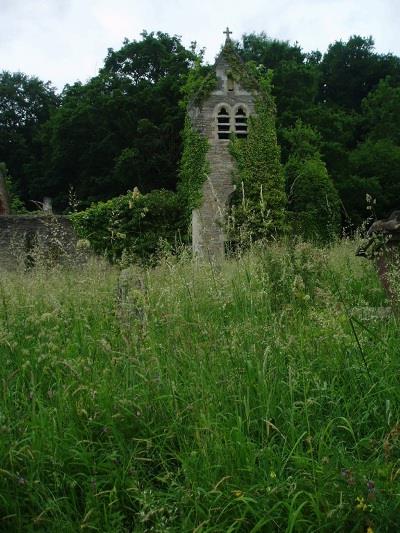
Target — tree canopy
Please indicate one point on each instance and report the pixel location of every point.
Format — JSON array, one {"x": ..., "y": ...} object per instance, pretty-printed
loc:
[{"x": 122, "y": 128}]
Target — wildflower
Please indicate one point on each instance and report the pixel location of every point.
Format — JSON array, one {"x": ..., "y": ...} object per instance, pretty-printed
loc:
[
  {"x": 370, "y": 530},
  {"x": 361, "y": 505},
  {"x": 272, "y": 474},
  {"x": 237, "y": 493}
]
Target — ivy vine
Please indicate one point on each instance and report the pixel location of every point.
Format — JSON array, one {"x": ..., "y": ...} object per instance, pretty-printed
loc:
[
  {"x": 193, "y": 168},
  {"x": 258, "y": 205},
  {"x": 200, "y": 83},
  {"x": 259, "y": 201}
]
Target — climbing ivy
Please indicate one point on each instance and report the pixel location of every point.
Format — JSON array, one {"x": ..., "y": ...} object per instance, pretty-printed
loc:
[
  {"x": 193, "y": 168},
  {"x": 259, "y": 201},
  {"x": 258, "y": 205},
  {"x": 201, "y": 81},
  {"x": 250, "y": 76}
]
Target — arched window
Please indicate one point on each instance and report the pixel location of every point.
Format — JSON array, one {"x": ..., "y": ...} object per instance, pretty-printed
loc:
[
  {"x": 241, "y": 123},
  {"x": 224, "y": 123}
]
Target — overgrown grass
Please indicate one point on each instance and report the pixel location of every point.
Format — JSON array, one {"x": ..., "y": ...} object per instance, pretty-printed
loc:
[{"x": 261, "y": 395}]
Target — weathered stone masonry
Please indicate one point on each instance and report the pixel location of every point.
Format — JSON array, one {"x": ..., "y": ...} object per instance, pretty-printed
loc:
[
  {"x": 207, "y": 221},
  {"x": 20, "y": 235}
]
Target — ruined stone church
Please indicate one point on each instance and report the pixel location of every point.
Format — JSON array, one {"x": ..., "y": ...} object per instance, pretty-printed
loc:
[{"x": 225, "y": 112}]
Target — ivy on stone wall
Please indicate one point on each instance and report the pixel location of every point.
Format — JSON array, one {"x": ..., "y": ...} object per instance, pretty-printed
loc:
[
  {"x": 258, "y": 205},
  {"x": 193, "y": 168},
  {"x": 259, "y": 201},
  {"x": 250, "y": 76},
  {"x": 200, "y": 83}
]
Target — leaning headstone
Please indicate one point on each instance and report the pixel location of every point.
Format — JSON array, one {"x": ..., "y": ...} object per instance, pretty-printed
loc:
[{"x": 4, "y": 203}]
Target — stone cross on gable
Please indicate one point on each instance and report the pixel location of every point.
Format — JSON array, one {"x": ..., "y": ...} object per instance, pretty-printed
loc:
[{"x": 227, "y": 33}]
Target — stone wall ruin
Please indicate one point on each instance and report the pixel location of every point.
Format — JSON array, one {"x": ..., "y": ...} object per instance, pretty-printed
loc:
[{"x": 26, "y": 240}]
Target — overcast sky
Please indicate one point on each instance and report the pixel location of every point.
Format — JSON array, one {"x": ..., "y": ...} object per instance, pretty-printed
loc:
[{"x": 67, "y": 40}]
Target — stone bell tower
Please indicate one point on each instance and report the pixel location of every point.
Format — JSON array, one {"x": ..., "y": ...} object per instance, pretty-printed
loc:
[{"x": 224, "y": 113}]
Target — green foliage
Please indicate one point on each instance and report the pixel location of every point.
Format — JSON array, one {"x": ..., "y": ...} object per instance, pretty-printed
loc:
[
  {"x": 25, "y": 104},
  {"x": 201, "y": 399},
  {"x": 132, "y": 224},
  {"x": 381, "y": 112},
  {"x": 295, "y": 87},
  {"x": 201, "y": 81},
  {"x": 351, "y": 70},
  {"x": 313, "y": 201},
  {"x": 327, "y": 93},
  {"x": 258, "y": 203},
  {"x": 193, "y": 168},
  {"x": 378, "y": 163},
  {"x": 122, "y": 128},
  {"x": 16, "y": 204},
  {"x": 269, "y": 52}
]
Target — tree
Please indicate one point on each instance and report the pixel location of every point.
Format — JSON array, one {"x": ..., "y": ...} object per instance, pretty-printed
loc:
[
  {"x": 351, "y": 70},
  {"x": 295, "y": 74},
  {"x": 268, "y": 52},
  {"x": 25, "y": 104},
  {"x": 122, "y": 128},
  {"x": 313, "y": 201},
  {"x": 381, "y": 111},
  {"x": 377, "y": 164}
]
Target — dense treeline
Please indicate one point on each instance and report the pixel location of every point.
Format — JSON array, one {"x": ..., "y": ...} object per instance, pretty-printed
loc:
[{"x": 123, "y": 127}]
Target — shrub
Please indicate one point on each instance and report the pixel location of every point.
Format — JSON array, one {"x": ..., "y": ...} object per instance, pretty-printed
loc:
[
  {"x": 313, "y": 201},
  {"x": 133, "y": 224}
]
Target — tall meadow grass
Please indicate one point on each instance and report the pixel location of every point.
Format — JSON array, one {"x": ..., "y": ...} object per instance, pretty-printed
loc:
[{"x": 258, "y": 395}]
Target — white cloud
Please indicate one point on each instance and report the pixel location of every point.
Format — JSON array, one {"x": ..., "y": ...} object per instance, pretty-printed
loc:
[{"x": 66, "y": 40}]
